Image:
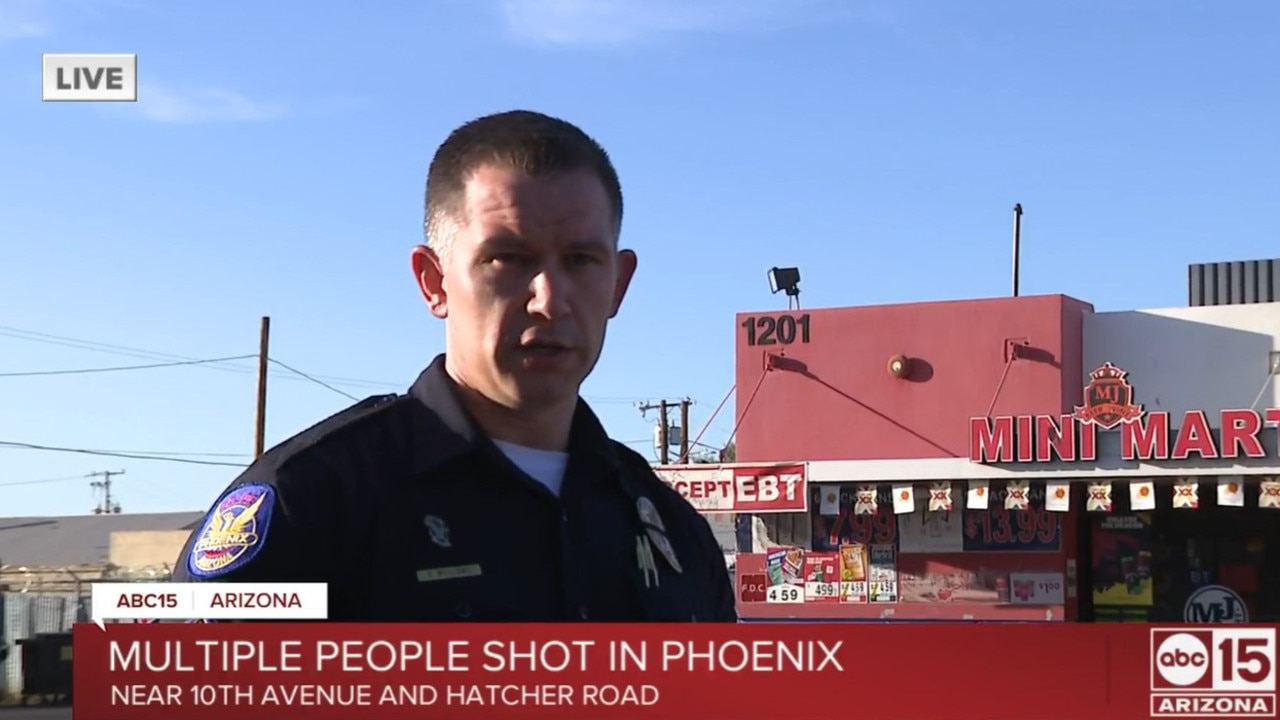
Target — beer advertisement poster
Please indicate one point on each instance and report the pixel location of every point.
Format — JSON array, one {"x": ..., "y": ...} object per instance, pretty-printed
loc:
[{"x": 1122, "y": 545}]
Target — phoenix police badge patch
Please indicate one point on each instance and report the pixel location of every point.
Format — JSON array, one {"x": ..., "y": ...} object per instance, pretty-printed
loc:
[
  {"x": 233, "y": 532},
  {"x": 649, "y": 514},
  {"x": 438, "y": 531}
]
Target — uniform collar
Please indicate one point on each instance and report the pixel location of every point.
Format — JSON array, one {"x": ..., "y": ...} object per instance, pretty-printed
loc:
[{"x": 446, "y": 430}]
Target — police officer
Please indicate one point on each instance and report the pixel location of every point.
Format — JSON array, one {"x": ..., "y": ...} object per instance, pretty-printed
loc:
[{"x": 489, "y": 491}]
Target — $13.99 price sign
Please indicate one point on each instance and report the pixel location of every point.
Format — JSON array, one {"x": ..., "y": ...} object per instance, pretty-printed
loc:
[{"x": 1223, "y": 672}]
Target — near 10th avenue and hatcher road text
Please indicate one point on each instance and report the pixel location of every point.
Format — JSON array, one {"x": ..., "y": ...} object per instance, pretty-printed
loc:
[{"x": 311, "y": 695}]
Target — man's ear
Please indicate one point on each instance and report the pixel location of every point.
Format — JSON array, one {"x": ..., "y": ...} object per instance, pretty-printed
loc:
[
  {"x": 429, "y": 274},
  {"x": 626, "y": 270}
]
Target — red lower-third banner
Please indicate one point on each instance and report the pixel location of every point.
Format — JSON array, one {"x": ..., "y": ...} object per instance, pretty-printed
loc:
[{"x": 671, "y": 672}]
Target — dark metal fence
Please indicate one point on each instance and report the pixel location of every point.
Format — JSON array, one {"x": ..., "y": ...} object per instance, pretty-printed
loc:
[{"x": 26, "y": 614}]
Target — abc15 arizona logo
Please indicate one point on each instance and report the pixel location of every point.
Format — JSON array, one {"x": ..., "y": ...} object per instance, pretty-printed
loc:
[{"x": 1222, "y": 672}]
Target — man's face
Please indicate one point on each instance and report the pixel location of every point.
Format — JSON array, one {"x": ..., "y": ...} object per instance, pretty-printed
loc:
[{"x": 531, "y": 280}]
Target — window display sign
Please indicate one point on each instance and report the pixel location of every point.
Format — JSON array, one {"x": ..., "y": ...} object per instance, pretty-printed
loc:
[
  {"x": 876, "y": 581},
  {"x": 1037, "y": 588},
  {"x": 740, "y": 487},
  {"x": 1122, "y": 546},
  {"x": 994, "y": 529},
  {"x": 822, "y": 577},
  {"x": 982, "y": 580},
  {"x": 1216, "y": 604},
  {"x": 1035, "y": 528},
  {"x": 937, "y": 531},
  {"x": 853, "y": 573},
  {"x": 883, "y": 574}
]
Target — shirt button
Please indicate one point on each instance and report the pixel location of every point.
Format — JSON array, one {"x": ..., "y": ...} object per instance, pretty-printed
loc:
[
  {"x": 564, "y": 516},
  {"x": 462, "y": 610},
  {"x": 583, "y": 613}
]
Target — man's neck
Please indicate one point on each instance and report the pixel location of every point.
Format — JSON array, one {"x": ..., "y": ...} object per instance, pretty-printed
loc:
[{"x": 545, "y": 430}]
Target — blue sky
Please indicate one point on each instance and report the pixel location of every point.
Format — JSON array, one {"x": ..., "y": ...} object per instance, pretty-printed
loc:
[{"x": 275, "y": 161}]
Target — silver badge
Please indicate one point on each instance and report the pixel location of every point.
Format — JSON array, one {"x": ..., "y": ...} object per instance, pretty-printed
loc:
[
  {"x": 438, "y": 530},
  {"x": 649, "y": 514},
  {"x": 663, "y": 544}
]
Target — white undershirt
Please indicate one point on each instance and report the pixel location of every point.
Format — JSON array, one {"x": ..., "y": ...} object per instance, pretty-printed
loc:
[{"x": 545, "y": 466}]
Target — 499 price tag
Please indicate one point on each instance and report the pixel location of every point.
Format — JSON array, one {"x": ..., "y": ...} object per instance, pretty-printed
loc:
[
  {"x": 821, "y": 591},
  {"x": 785, "y": 594}
]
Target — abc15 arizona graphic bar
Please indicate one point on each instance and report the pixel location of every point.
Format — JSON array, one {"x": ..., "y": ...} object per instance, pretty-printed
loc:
[{"x": 1219, "y": 672}]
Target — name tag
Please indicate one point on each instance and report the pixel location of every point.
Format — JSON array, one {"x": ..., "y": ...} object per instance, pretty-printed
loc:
[{"x": 449, "y": 573}]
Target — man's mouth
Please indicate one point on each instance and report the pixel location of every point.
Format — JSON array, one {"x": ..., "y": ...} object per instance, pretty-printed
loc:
[{"x": 542, "y": 347}]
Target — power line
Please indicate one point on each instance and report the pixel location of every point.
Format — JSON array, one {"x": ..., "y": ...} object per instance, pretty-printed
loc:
[
  {"x": 634, "y": 400},
  {"x": 119, "y": 368},
  {"x": 164, "y": 453},
  {"x": 172, "y": 453},
  {"x": 125, "y": 351},
  {"x": 45, "y": 481},
  {"x": 94, "y": 346},
  {"x": 171, "y": 360},
  {"x": 111, "y": 453},
  {"x": 321, "y": 383}
]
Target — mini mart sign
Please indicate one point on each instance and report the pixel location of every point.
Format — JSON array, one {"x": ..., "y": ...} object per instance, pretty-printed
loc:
[{"x": 1108, "y": 405}]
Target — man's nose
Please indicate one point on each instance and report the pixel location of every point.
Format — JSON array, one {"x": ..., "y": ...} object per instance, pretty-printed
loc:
[{"x": 549, "y": 294}]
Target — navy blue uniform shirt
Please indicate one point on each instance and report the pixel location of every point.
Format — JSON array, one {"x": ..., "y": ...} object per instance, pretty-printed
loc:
[{"x": 411, "y": 514}]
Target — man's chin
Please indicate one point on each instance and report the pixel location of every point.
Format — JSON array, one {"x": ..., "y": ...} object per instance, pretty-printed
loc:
[{"x": 536, "y": 390}]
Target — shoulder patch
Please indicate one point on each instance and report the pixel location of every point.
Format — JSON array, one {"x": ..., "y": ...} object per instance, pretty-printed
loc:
[{"x": 233, "y": 532}]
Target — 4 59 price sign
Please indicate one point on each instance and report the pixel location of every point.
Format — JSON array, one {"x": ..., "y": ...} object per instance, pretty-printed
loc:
[
  {"x": 786, "y": 594},
  {"x": 1225, "y": 673}
]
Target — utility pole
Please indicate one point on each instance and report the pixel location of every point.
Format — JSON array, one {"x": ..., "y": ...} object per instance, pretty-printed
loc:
[
  {"x": 106, "y": 506},
  {"x": 684, "y": 429},
  {"x": 1017, "y": 245},
  {"x": 260, "y": 431},
  {"x": 664, "y": 424},
  {"x": 664, "y": 450}
]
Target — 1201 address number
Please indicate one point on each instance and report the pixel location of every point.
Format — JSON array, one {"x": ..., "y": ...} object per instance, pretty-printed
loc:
[{"x": 779, "y": 330}]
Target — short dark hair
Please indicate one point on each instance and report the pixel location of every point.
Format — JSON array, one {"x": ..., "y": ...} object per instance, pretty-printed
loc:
[{"x": 523, "y": 140}]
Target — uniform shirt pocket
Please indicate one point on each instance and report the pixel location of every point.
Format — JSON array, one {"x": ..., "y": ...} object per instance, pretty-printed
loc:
[{"x": 448, "y": 595}]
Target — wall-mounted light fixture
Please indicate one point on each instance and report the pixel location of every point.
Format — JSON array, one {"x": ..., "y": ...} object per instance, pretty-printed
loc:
[{"x": 899, "y": 366}]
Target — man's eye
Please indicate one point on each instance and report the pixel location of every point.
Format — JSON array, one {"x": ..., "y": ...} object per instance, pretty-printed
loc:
[
  {"x": 581, "y": 259},
  {"x": 507, "y": 259}
]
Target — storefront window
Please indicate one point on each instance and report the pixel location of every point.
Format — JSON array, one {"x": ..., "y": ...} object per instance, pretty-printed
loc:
[
  {"x": 961, "y": 555},
  {"x": 966, "y": 563},
  {"x": 1199, "y": 563},
  {"x": 1188, "y": 564}
]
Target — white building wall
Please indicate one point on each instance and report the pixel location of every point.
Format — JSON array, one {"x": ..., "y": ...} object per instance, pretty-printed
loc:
[{"x": 1193, "y": 358}]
